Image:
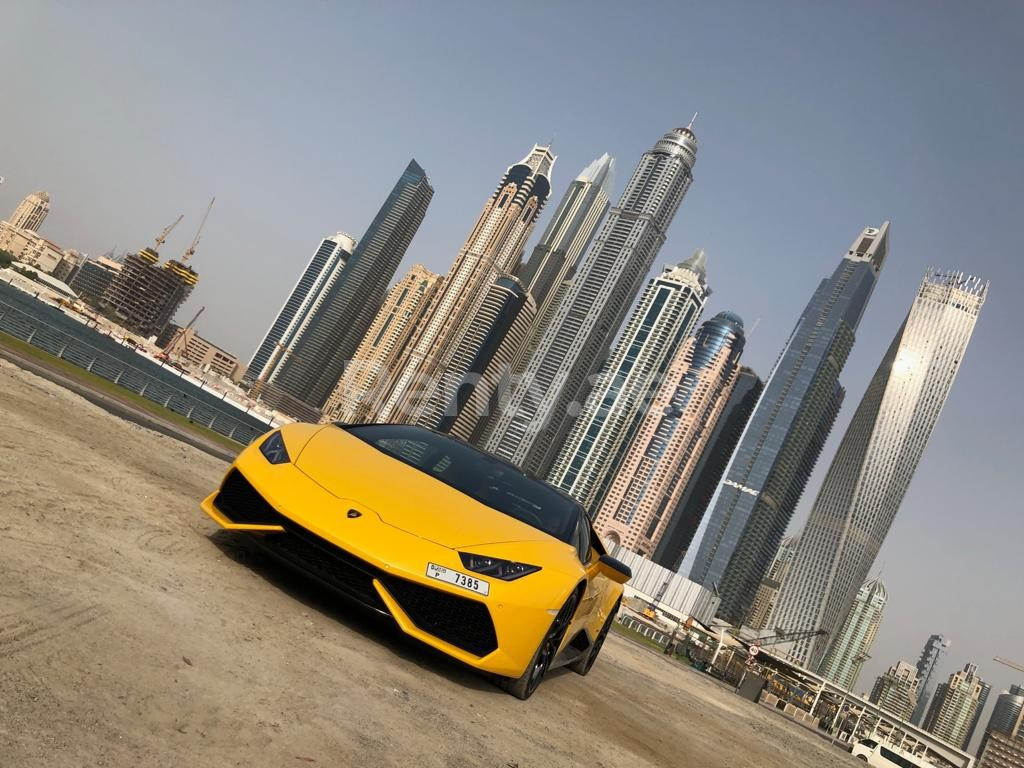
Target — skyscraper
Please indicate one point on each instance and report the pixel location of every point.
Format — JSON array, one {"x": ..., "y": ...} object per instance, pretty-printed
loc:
[
  {"x": 145, "y": 294},
  {"x": 352, "y": 400},
  {"x": 986, "y": 689},
  {"x": 755, "y": 500},
  {"x": 660, "y": 460},
  {"x": 954, "y": 705},
  {"x": 666, "y": 314},
  {"x": 31, "y": 212},
  {"x": 850, "y": 649},
  {"x": 1007, "y": 712},
  {"x": 768, "y": 591},
  {"x": 877, "y": 457},
  {"x": 532, "y": 425},
  {"x": 321, "y": 272},
  {"x": 896, "y": 690},
  {"x": 338, "y": 324},
  {"x": 693, "y": 502},
  {"x": 569, "y": 232},
  {"x": 428, "y": 377},
  {"x": 928, "y": 665}
]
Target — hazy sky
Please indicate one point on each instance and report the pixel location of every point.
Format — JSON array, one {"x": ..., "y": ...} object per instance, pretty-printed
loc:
[{"x": 816, "y": 119}]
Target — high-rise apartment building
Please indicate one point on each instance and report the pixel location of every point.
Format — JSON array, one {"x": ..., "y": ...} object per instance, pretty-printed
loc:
[
  {"x": 896, "y": 690},
  {"x": 320, "y": 273},
  {"x": 877, "y": 458},
  {"x": 352, "y": 400},
  {"x": 665, "y": 315},
  {"x": 757, "y": 496},
  {"x": 849, "y": 650},
  {"x": 768, "y": 591},
  {"x": 317, "y": 358},
  {"x": 928, "y": 665},
  {"x": 568, "y": 234},
  {"x": 953, "y": 707},
  {"x": 1006, "y": 714},
  {"x": 535, "y": 418},
  {"x": 31, "y": 212},
  {"x": 693, "y": 502},
  {"x": 428, "y": 377},
  {"x": 986, "y": 689},
  {"x": 486, "y": 354},
  {"x": 1000, "y": 751},
  {"x": 673, "y": 433}
]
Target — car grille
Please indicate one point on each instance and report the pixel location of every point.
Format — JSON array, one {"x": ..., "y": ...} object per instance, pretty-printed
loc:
[
  {"x": 463, "y": 622},
  {"x": 300, "y": 548},
  {"x": 243, "y": 504},
  {"x": 457, "y": 620}
]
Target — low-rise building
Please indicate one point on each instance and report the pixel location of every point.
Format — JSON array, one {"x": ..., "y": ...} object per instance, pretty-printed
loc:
[{"x": 189, "y": 346}]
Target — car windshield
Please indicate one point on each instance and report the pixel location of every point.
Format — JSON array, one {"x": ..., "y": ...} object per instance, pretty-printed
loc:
[{"x": 481, "y": 476}]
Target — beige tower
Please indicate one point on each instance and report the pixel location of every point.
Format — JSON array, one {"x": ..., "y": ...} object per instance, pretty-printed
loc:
[
  {"x": 662, "y": 457},
  {"x": 31, "y": 212},
  {"x": 493, "y": 247},
  {"x": 352, "y": 400}
]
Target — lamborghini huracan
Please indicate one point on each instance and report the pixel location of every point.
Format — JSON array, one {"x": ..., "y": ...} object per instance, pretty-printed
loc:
[{"x": 465, "y": 552}]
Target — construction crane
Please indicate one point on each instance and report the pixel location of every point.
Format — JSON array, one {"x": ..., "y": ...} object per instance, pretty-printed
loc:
[
  {"x": 178, "y": 334},
  {"x": 191, "y": 250},
  {"x": 162, "y": 237},
  {"x": 1008, "y": 663}
]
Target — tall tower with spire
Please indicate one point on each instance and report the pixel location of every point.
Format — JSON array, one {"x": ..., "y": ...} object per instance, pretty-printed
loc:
[
  {"x": 430, "y": 374},
  {"x": 666, "y": 314},
  {"x": 533, "y": 421}
]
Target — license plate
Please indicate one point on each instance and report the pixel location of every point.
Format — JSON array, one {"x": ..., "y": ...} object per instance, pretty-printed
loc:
[{"x": 459, "y": 579}]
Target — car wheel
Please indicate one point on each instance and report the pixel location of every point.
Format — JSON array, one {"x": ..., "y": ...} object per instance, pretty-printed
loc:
[
  {"x": 522, "y": 687},
  {"x": 584, "y": 664}
]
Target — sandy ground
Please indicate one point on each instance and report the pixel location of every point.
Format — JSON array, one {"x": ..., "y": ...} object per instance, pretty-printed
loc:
[{"x": 133, "y": 635}]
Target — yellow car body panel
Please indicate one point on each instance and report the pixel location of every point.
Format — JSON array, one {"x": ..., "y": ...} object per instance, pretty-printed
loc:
[{"x": 397, "y": 519}]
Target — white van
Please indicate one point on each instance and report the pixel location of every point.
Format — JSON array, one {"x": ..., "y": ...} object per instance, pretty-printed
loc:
[{"x": 875, "y": 754}]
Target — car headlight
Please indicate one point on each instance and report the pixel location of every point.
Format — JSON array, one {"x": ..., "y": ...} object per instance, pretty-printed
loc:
[
  {"x": 273, "y": 449},
  {"x": 507, "y": 570}
]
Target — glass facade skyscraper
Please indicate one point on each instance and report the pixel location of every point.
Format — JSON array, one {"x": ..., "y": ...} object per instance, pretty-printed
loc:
[
  {"x": 316, "y": 360},
  {"x": 666, "y": 314},
  {"x": 554, "y": 380},
  {"x": 877, "y": 458},
  {"x": 755, "y": 500},
  {"x": 323, "y": 269}
]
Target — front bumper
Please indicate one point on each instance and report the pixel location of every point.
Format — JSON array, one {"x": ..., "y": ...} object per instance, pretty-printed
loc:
[{"x": 381, "y": 566}]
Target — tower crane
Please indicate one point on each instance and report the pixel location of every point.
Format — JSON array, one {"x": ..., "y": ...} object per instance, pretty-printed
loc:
[
  {"x": 162, "y": 237},
  {"x": 1008, "y": 663},
  {"x": 190, "y": 251},
  {"x": 178, "y": 334}
]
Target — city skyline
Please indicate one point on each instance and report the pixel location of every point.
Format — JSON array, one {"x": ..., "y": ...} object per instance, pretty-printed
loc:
[{"x": 909, "y": 141}]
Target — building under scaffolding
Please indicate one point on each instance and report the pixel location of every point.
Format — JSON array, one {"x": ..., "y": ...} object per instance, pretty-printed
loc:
[{"x": 145, "y": 294}]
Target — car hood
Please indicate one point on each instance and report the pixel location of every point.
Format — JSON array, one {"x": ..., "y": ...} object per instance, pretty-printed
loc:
[{"x": 403, "y": 496}]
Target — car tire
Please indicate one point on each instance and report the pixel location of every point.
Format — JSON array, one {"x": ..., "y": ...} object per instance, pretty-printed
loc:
[
  {"x": 524, "y": 686},
  {"x": 584, "y": 664}
]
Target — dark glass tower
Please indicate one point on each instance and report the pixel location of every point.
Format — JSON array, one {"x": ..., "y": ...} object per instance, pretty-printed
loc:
[
  {"x": 317, "y": 358},
  {"x": 694, "y": 501},
  {"x": 327, "y": 262},
  {"x": 753, "y": 504},
  {"x": 928, "y": 665}
]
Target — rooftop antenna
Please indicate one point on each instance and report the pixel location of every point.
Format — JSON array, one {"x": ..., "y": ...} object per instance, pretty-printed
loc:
[{"x": 692, "y": 120}]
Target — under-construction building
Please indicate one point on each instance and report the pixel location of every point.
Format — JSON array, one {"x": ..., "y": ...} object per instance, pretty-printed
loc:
[{"x": 145, "y": 294}]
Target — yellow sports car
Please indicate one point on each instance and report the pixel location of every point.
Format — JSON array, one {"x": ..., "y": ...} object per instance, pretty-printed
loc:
[{"x": 466, "y": 552}]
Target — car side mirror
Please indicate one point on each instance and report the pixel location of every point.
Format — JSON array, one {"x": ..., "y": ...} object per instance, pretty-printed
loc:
[{"x": 616, "y": 570}]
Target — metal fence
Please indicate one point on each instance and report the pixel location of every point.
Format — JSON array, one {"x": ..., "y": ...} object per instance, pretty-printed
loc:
[{"x": 182, "y": 397}]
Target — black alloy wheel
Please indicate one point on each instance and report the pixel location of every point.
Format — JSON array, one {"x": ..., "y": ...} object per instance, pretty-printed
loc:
[{"x": 523, "y": 687}]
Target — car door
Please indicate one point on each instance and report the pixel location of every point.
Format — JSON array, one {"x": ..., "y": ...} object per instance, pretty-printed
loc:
[{"x": 587, "y": 615}]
